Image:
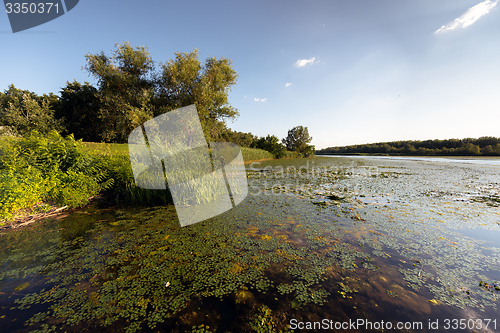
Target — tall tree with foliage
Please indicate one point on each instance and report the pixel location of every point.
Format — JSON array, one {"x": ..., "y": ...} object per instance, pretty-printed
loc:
[
  {"x": 298, "y": 140},
  {"x": 126, "y": 89},
  {"x": 184, "y": 81},
  {"x": 132, "y": 92}
]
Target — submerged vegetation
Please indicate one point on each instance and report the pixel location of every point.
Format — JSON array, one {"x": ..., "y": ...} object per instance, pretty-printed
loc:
[{"x": 386, "y": 243}]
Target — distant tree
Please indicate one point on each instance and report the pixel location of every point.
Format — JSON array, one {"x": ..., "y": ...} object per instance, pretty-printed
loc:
[
  {"x": 240, "y": 138},
  {"x": 496, "y": 148},
  {"x": 186, "y": 81},
  {"x": 22, "y": 111},
  {"x": 486, "y": 141},
  {"x": 298, "y": 139},
  {"x": 451, "y": 147},
  {"x": 488, "y": 151},
  {"x": 470, "y": 149},
  {"x": 13, "y": 94},
  {"x": 409, "y": 148}
]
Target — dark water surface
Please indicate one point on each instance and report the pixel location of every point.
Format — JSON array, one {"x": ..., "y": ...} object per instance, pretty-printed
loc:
[{"x": 337, "y": 238}]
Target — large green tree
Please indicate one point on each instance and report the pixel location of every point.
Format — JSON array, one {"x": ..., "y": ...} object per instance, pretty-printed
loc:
[
  {"x": 184, "y": 81},
  {"x": 126, "y": 89},
  {"x": 131, "y": 91},
  {"x": 272, "y": 144},
  {"x": 298, "y": 140}
]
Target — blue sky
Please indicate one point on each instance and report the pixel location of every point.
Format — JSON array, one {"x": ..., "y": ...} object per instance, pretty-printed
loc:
[{"x": 351, "y": 71}]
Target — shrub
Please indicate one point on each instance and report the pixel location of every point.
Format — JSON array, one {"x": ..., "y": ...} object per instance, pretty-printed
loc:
[
  {"x": 20, "y": 191},
  {"x": 48, "y": 168}
]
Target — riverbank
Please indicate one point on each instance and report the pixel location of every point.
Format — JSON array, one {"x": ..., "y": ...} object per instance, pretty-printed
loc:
[{"x": 41, "y": 177}]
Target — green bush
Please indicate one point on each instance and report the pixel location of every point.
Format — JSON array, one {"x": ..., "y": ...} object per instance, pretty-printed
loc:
[
  {"x": 47, "y": 169},
  {"x": 20, "y": 191}
]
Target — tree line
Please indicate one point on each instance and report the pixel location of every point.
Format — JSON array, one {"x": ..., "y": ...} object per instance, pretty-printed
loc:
[
  {"x": 484, "y": 146},
  {"x": 132, "y": 89},
  {"x": 296, "y": 142}
]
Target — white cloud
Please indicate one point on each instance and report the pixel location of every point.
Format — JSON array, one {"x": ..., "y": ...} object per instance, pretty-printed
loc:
[
  {"x": 303, "y": 62},
  {"x": 260, "y": 99},
  {"x": 288, "y": 84},
  {"x": 470, "y": 16}
]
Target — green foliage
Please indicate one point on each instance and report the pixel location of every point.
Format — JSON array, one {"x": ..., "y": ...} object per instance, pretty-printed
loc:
[
  {"x": 53, "y": 152},
  {"x": 185, "y": 81},
  {"x": 80, "y": 108},
  {"x": 297, "y": 140},
  {"x": 50, "y": 168},
  {"x": 242, "y": 139},
  {"x": 20, "y": 191},
  {"x": 271, "y": 144},
  {"x": 23, "y": 111},
  {"x": 485, "y": 146},
  {"x": 125, "y": 89}
]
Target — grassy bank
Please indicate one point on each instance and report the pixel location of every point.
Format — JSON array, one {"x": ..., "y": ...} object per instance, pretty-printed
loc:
[
  {"x": 249, "y": 154},
  {"x": 40, "y": 174}
]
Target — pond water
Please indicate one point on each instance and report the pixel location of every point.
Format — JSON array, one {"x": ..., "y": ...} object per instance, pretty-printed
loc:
[{"x": 328, "y": 239}]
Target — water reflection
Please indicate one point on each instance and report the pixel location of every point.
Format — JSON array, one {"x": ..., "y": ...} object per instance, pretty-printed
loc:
[{"x": 491, "y": 237}]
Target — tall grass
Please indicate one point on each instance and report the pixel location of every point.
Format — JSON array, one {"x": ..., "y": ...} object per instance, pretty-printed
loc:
[
  {"x": 253, "y": 154},
  {"x": 126, "y": 190}
]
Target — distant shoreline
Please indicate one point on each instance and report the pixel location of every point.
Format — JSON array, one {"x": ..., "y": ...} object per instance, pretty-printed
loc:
[
  {"x": 405, "y": 155},
  {"x": 487, "y": 160}
]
